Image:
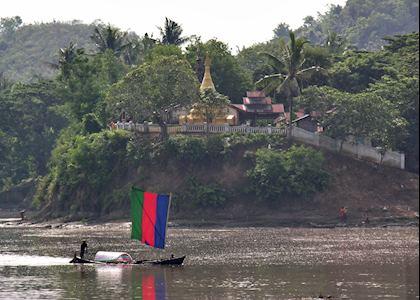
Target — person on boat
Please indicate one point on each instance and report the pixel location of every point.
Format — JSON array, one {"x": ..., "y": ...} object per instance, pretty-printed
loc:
[{"x": 83, "y": 249}]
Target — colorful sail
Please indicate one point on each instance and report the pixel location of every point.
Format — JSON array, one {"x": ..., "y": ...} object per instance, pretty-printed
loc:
[{"x": 149, "y": 212}]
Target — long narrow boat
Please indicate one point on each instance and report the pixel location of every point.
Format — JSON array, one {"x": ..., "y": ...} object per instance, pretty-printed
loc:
[
  {"x": 124, "y": 258},
  {"x": 150, "y": 213}
]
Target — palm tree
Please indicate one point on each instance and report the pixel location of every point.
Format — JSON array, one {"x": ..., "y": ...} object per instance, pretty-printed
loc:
[
  {"x": 171, "y": 33},
  {"x": 289, "y": 71},
  {"x": 112, "y": 38},
  {"x": 336, "y": 44},
  {"x": 66, "y": 57}
]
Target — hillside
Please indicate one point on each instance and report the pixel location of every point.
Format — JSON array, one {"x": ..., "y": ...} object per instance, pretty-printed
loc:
[
  {"x": 384, "y": 194},
  {"x": 363, "y": 23},
  {"x": 26, "y": 53}
]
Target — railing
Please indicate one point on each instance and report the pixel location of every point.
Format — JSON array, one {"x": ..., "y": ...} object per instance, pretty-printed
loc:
[
  {"x": 363, "y": 152},
  {"x": 200, "y": 128},
  {"x": 393, "y": 159}
]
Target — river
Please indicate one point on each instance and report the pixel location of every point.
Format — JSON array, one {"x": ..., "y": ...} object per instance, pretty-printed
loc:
[{"x": 232, "y": 263}]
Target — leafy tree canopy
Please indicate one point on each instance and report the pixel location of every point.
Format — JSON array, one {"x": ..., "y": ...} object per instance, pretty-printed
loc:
[{"x": 150, "y": 91}]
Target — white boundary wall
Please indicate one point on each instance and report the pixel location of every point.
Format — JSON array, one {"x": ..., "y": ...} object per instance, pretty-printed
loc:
[
  {"x": 391, "y": 158},
  {"x": 200, "y": 128}
]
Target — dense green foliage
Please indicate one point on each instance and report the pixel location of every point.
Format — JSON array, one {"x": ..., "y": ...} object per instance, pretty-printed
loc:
[
  {"x": 364, "y": 23},
  {"x": 152, "y": 90},
  {"x": 295, "y": 172},
  {"x": 28, "y": 129},
  {"x": 373, "y": 95},
  {"x": 210, "y": 103},
  {"x": 199, "y": 195},
  {"x": 80, "y": 169}
]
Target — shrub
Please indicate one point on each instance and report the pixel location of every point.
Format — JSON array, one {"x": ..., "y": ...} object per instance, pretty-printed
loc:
[
  {"x": 83, "y": 167},
  {"x": 295, "y": 172},
  {"x": 204, "y": 195}
]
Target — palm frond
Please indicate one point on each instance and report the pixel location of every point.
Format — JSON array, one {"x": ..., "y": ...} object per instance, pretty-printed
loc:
[
  {"x": 274, "y": 62},
  {"x": 270, "y": 83}
]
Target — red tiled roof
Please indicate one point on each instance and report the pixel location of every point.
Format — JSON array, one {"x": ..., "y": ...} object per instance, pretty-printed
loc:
[
  {"x": 255, "y": 94},
  {"x": 278, "y": 108},
  {"x": 238, "y": 106}
]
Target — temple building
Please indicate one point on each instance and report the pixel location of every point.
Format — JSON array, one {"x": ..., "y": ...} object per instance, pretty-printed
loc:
[
  {"x": 257, "y": 106},
  {"x": 224, "y": 115}
]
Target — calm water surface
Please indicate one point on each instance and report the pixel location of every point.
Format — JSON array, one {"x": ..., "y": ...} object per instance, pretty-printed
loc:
[{"x": 237, "y": 263}]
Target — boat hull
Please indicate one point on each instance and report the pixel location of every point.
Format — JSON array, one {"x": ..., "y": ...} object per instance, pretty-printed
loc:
[{"x": 176, "y": 261}]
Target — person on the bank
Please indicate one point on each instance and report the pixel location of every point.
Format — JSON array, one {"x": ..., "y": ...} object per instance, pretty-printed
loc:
[{"x": 343, "y": 214}]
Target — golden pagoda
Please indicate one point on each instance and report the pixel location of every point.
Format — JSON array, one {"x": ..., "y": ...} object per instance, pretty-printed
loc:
[
  {"x": 207, "y": 82},
  {"x": 225, "y": 115}
]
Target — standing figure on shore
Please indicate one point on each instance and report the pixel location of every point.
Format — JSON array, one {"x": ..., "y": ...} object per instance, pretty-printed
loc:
[
  {"x": 343, "y": 214},
  {"x": 83, "y": 249}
]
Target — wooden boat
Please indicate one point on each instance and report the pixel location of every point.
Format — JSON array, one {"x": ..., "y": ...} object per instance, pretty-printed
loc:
[
  {"x": 150, "y": 212},
  {"x": 78, "y": 260},
  {"x": 124, "y": 258},
  {"x": 174, "y": 261}
]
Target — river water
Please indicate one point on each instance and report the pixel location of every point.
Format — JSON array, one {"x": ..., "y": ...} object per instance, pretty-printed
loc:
[{"x": 234, "y": 263}]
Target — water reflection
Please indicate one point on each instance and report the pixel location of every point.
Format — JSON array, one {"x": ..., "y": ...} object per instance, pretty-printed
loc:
[
  {"x": 153, "y": 285},
  {"x": 116, "y": 281}
]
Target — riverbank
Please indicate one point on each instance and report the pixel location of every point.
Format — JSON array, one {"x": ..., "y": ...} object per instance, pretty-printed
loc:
[
  {"x": 10, "y": 219},
  {"x": 373, "y": 195}
]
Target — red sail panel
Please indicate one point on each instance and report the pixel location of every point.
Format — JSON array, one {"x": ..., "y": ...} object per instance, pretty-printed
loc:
[{"x": 149, "y": 218}]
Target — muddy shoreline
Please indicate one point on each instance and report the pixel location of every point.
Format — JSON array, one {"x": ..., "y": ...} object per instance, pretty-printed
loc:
[{"x": 11, "y": 219}]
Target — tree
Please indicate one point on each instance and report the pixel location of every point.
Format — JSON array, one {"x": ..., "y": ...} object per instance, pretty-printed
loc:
[
  {"x": 403, "y": 93},
  {"x": 29, "y": 126},
  {"x": 289, "y": 70},
  {"x": 108, "y": 37},
  {"x": 355, "y": 70},
  {"x": 82, "y": 88},
  {"x": 211, "y": 103},
  {"x": 363, "y": 115},
  {"x": 152, "y": 90},
  {"x": 9, "y": 25},
  {"x": 171, "y": 33},
  {"x": 282, "y": 31},
  {"x": 66, "y": 57},
  {"x": 163, "y": 50}
]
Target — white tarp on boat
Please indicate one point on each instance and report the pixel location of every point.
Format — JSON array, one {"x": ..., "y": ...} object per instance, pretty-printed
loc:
[{"x": 113, "y": 257}]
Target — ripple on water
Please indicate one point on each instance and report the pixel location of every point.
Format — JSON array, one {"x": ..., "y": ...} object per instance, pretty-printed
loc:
[{"x": 32, "y": 260}]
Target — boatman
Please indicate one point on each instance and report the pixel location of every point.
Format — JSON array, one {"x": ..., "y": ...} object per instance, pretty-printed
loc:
[{"x": 83, "y": 249}]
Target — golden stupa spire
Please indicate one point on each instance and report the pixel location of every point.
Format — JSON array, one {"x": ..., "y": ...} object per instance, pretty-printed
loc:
[{"x": 207, "y": 80}]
